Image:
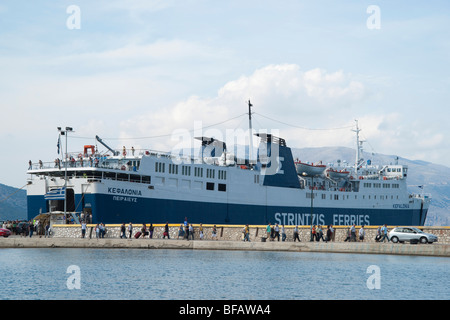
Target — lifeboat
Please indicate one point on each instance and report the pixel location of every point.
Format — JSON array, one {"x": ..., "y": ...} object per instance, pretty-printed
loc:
[
  {"x": 309, "y": 169},
  {"x": 337, "y": 174}
]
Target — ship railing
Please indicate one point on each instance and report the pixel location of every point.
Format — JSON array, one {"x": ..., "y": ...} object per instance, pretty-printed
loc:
[{"x": 106, "y": 161}]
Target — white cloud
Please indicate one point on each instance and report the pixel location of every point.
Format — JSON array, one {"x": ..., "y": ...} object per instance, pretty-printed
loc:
[
  {"x": 314, "y": 99},
  {"x": 279, "y": 91}
]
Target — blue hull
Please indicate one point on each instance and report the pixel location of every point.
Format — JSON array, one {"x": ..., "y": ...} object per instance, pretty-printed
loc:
[{"x": 140, "y": 210}]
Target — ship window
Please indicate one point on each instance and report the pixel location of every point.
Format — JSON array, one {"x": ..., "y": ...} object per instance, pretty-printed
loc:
[
  {"x": 109, "y": 175},
  {"x": 222, "y": 187},
  {"x": 146, "y": 179},
  {"x": 209, "y": 186},
  {"x": 210, "y": 173},
  {"x": 185, "y": 170},
  {"x": 97, "y": 174},
  {"x": 323, "y": 196},
  {"x": 198, "y": 172},
  {"x": 160, "y": 167},
  {"x": 135, "y": 178},
  {"x": 123, "y": 177},
  {"x": 173, "y": 169},
  {"x": 222, "y": 175}
]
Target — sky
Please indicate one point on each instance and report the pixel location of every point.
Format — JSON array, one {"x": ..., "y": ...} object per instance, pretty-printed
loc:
[{"x": 144, "y": 73}]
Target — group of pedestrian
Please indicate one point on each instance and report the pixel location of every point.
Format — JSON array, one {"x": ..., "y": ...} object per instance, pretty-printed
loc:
[
  {"x": 186, "y": 231},
  {"x": 382, "y": 234},
  {"x": 25, "y": 228},
  {"x": 351, "y": 234},
  {"x": 274, "y": 231},
  {"x": 100, "y": 230},
  {"x": 317, "y": 233}
]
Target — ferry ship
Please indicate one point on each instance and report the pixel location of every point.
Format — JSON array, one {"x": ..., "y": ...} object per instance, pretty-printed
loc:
[{"x": 217, "y": 187}]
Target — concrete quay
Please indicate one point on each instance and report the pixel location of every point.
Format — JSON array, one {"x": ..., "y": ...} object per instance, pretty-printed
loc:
[{"x": 436, "y": 250}]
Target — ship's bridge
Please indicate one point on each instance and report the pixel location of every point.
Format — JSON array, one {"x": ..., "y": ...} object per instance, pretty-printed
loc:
[{"x": 394, "y": 171}]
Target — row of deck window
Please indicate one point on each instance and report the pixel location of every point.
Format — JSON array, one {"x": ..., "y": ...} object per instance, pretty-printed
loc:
[
  {"x": 160, "y": 167},
  {"x": 379, "y": 185},
  {"x": 347, "y": 197}
]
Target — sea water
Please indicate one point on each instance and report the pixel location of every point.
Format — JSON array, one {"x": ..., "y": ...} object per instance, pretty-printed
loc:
[{"x": 122, "y": 274}]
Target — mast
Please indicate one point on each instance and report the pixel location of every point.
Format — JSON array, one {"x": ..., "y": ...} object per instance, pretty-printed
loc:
[
  {"x": 250, "y": 151},
  {"x": 358, "y": 150}
]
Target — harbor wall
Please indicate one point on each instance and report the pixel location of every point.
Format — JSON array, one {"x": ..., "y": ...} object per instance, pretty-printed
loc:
[
  {"x": 234, "y": 232},
  {"x": 434, "y": 250}
]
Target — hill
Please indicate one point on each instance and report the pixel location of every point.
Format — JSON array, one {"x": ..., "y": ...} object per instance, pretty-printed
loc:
[{"x": 13, "y": 203}]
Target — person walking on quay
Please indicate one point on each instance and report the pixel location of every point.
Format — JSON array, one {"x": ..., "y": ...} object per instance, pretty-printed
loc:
[
  {"x": 277, "y": 232},
  {"x": 272, "y": 233},
  {"x": 313, "y": 233},
  {"x": 320, "y": 233},
  {"x": 268, "y": 231},
  {"x": 31, "y": 228},
  {"x": 333, "y": 232},
  {"x": 47, "y": 230},
  {"x": 151, "y": 228},
  {"x": 329, "y": 234},
  {"x": 214, "y": 233},
  {"x": 384, "y": 233},
  {"x": 102, "y": 230},
  {"x": 378, "y": 236},
  {"x": 191, "y": 231},
  {"x": 180, "y": 232},
  {"x": 353, "y": 233},
  {"x": 186, "y": 231},
  {"x": 201, "y": 231},
  {"x": 130, "y": 229},
  {"x": 123, "y": 231},
  {"x": 361, "y": 233},
  {"x": 348, "y": 235},
  {"x": 83, "y": 229},
  {"x": 144, "y": 231},
  {"x": 246, "y": 233},
  {"x": 283, "y": 233},
  {"x": 296, "y": 237},
  {"x": 97, "y": 231},
  {"x": 166, "y": 231}
]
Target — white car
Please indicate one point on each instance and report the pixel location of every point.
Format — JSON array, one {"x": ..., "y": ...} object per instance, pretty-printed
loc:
[{"x": 401, "y": 234}]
